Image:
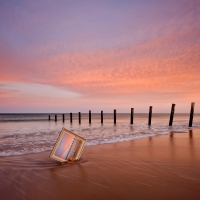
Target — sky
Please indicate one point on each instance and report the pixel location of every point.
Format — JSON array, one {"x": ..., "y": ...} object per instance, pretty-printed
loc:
[{"x": 73, "y": 56}]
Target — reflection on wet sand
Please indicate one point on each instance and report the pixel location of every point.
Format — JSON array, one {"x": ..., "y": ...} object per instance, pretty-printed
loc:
[
  {"x": 191, "y": 133},
  {"x": 165, "y": 167},
  {"x": 191, "y": 144},
  {"x": 190, "y": 139}
]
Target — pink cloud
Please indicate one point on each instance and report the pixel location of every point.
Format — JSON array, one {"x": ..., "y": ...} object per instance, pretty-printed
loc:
[
  {"x": 4, "y": 94},
  {"x": 162, "y": 64},
  {"x": 166, "y": 64}
]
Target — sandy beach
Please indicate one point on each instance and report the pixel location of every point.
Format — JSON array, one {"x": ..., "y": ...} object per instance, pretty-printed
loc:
[{"x": 161, "y": 167}]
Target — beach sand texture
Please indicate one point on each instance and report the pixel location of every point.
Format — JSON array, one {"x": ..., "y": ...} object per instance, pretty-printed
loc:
[{"x": 161, "y": 167}]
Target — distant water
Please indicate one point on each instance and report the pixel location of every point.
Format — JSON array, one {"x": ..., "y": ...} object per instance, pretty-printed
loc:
[{"x": 32, "y": 133}]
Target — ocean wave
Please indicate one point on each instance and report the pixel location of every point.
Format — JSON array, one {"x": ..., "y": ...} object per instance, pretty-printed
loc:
[{"x": 39, "y": 141}]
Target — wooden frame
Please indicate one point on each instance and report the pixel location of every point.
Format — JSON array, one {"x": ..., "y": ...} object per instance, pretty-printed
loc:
[{"x": 68, "y": 146}]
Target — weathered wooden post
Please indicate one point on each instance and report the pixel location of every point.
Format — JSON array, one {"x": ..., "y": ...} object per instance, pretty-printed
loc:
[
  {"x": 55, "y": 118},
  {"x": 63, "y": 117},
  {"x": 191, "y": 114},
  {"x": 79, "y": 117},
  {"x": 114, "y": 116},
  {"x": 132, "y": 111},
  {"x": 172, "y": 115},
  {"x": 102, "y": 116},
  {"x": 150, "y": 115},
  {"x": 89, "y": 116},
  {"x": 49, "y": 117},
  {"x": 70, "y": 117}
]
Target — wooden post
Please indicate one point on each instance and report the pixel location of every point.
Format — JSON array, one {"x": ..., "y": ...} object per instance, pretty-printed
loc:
[
  {"x": 150, "y": 115},
  {"x": 102, "y": 116},
  {"x": 114, "y": 116},
  {"x": 63, "y": 116},
  {"x": 49, "y": 117},
  {"x": 89, "y": 116},
  {"x": 55, "y": 118},
  {"x": 79, "y": 117},
  {"x": 131, "y": 118},
  {"x": 132, "y": 111},
  {"x": 172, "y": 114},
  {"x": 191, "y": 114},
  {"x": 70, "y": 117}
]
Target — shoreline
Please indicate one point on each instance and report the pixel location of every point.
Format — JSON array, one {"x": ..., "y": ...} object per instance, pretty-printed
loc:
[
  {"x": 112, "y": 142},
  {"x": 20, "y": 138},
  {"x": 159, "y": 167}
]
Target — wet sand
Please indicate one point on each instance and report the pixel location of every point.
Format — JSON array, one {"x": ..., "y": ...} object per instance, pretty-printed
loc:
[{"x": 161, "y": 167}]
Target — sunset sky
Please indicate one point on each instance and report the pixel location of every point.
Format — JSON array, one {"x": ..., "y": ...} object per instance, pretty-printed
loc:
[{"x": 69, "y": 56}]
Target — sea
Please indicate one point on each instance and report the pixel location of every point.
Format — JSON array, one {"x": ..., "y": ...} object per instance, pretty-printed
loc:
[{"x": 34, "y": 133}]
